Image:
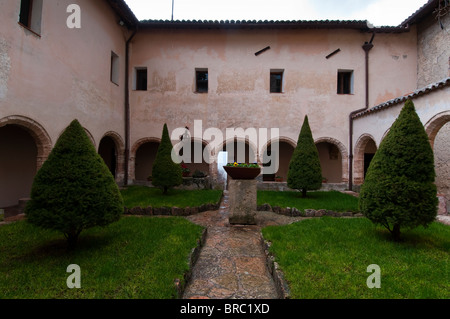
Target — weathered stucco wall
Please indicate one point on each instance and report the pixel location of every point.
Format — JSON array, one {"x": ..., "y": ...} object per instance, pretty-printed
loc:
[
  {"x": 48, "y": 80},
  {"x": 433, "y": 50},
  {"x": 238, "y": 94},
  {"x": 65, "y": 73}
]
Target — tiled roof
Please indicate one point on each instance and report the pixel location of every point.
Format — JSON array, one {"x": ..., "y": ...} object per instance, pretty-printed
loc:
[
  {"x": 426, "y": 90},
  {"x": 422, "y": 12},
  {"x": 362, "y": 25},
  {"x": 124, "y": 12},
  {"x": 128, "y": 17}
]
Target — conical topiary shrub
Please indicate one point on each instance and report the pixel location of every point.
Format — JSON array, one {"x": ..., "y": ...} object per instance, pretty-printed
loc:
[
  {"x": 399, "y": 189},
  {"x": 74, "y": 188},
  {"x": 166, "y": 173},
  {"x": 305, "y": 172}
]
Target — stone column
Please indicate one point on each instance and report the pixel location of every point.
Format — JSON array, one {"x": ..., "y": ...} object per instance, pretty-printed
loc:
[{"x": 242, "y": 201}]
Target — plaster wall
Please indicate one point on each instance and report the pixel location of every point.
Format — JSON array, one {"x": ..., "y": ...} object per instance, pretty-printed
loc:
[
  {"x": 238, "y": 94},
  {"x": 433, "y": 50},
  {"x": 64, "y": 73}
]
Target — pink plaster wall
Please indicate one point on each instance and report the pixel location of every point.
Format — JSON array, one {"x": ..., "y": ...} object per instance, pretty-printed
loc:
[
  {"x": 64, "y": 73},
  {"x": 239, "y": 81}
]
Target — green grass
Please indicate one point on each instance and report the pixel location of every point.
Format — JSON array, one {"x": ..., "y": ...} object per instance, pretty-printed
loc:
[
  {"x": 142, "y": 196},
  {"x": 332, "y": 200},
  {"x": 328, "y": 257},
  {"x": 131, "y": 259}
]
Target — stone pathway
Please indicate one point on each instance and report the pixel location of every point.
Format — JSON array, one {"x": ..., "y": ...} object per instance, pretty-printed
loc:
[{"x": 232, "y": 262}]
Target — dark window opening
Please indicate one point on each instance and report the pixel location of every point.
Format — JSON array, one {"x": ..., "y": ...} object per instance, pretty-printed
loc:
[
  {"x": 31, "y": 14},
  {"x": 345, "y": 82},
  {"x": 141, "y": 79},
  {"x": 114, "y": 68},
  {"x": 367, "y": 159},
  {"x": 276, "y": 82},
  {"x": 202, "y": 81},
  {"x": 26, "y": 7}
]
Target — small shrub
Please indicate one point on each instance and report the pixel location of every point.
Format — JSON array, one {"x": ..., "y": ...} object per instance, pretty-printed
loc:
[
  {"x": 305, "y": 172},
  {"x": 399, "y": 189},
  {"x": 166, "y": 173},
  {"x": 74, "y": 190}
]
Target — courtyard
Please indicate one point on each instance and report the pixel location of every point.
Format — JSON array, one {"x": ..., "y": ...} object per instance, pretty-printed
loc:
[{"x": 150, "y": 257}]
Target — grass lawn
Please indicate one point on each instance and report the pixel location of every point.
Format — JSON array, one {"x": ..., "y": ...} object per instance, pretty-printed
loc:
[
  {"x": 328, "y": 257},
  {"x": 142, "y": 196},
  {"x": 331, "y": 200},
  {"x": 132, "y": 258}
]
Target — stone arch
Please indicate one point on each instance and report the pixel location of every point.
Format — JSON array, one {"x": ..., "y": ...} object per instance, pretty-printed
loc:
[
  {"x": 433, "y": 126},
  {"x": 133, "y": 155},
  {"x": 438, "y": 131},
  {"x": 192, "y": 164},
  {"x": 364, "y": 146},
  {"x": 343, "y": 154},
  {"x": 25, "y": 146},
  {"x": 36, "y": 130},
  {"x": 116, "y": 161},
  {"x": 218, "y": 174},
  {"x": 251, "y": 148},
  {"x": 286, "y": 147}
]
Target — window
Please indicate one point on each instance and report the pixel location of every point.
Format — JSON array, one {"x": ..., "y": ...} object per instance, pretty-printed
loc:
[
  {"x": 345, "y": 82},
  {"x": 114, "y": 68},
  {"x": 31, "y": 14},
  {"x": 201, "y": 78},
  {"x": 276, "y": 81},
  {"x": 141, "y": 79}
]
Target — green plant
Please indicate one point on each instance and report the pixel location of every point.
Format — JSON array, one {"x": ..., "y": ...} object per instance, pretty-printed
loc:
[
  {"x": 166, "y": 173},
  {"x": 399, "y": 189},
  {"x": 305, "y": 172},
  {"x": 142, "y": 196},
  {"x": 134, "y": 258},
  {"x": 247, "y": 165},
  {"x": 184, "y": 169},
  {"x": 324, "y": 258},
  {"x": 74, "y": 189}
]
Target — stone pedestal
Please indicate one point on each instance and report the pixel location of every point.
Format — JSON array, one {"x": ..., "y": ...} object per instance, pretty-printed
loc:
[{"x": 242, "y": 201}]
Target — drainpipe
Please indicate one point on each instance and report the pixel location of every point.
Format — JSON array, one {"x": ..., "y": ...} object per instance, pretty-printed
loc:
[
  {"x": 366, "y": 47},
  {"x": 127, "y": 107}
]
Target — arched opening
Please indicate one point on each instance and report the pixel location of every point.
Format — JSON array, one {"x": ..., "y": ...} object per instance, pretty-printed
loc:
[
  {"x": 238, "y": 151},
  {"x": 196, "y": 161},
  {"x": 281, "y": 153},
  {"x": 442, "y": 161},
  {"x": 369, "y": 153},
  {"x": 330, "y": 161},
  {"x": 18, "y": 164},
  {"x": 145, "y": 156},
  {"x": 438, "y": 130},
  {"x": 364, "y": 152},
  {"x": 107, "y": 150}
]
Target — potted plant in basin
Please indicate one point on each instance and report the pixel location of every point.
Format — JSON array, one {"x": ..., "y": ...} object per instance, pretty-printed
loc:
[
  {"x": 185, "y": 170},
  {"x": 242, "y": 170}
]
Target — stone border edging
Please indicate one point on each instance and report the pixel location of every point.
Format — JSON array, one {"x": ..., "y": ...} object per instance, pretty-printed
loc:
[
  {"x": 171, "y": 211},
  {"x": 294, "y": 212},
  {"x": 193, "y": 258},
  {"x": 281, "y": 285}
]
